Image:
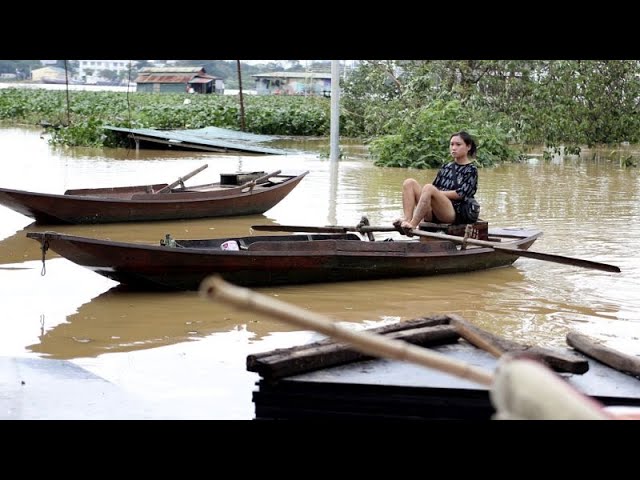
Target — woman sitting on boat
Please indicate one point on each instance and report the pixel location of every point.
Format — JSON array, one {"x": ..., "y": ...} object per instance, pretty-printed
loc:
[{"x": 450, "y": 198}]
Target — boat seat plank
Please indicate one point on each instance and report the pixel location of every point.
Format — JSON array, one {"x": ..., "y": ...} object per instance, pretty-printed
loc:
[{"x": 479, "y": 229}]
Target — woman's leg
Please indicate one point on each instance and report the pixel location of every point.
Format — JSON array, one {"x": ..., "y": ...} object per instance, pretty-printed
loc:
[
  {"x": 442, "y": 207},
  {"x": 410, "y": 197},
  {"x": 430, "y": 201}
]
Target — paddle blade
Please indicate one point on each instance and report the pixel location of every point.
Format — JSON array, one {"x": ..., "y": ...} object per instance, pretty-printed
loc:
[{"x": 549, "y": 257}]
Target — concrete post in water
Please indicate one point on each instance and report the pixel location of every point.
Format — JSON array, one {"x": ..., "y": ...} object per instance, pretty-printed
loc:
[
  {"x": 335, "y": 111},
  {"x": 242, "y": 124}
]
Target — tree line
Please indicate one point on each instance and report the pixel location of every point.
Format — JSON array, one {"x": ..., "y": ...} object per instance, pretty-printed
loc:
[
  {"x": 406, "y": 109},
  {"x": 406, "y": 104}
]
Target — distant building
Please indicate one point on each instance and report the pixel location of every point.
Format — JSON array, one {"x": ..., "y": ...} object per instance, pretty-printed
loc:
[
  {"x": 89, "y": 70},
  {"x": 48, "y": 75},
  {"x": 293, "y": 83},
  {"x": 178, "y": 80}
]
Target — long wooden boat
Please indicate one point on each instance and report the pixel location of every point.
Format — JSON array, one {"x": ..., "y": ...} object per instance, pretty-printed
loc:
[
  {"x": 280, "y": 259},
  {"x": 236, "y": 194}
]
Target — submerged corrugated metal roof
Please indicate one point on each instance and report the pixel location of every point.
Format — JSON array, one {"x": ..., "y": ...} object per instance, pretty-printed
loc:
[
  {"x": 164, "y": 78},
  {"x": 192, "y": 70},
  {"x": 173, "y": 75},
  {"x": 208, "y": 138}
]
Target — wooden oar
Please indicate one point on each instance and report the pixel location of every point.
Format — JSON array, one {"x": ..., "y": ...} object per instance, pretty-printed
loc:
[
  {"x": 549, "y": 257},
  {"x": 365, "y": 342},
  {"x": 327, "y": 229},
  {"x": 181, "y": 180}
]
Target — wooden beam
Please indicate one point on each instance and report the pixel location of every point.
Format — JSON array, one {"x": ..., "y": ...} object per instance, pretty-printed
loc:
[{"x": 594, "y": 348}]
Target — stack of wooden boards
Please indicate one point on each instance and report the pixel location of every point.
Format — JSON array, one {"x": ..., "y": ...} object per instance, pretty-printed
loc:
[{"x": 326, "y": 379}]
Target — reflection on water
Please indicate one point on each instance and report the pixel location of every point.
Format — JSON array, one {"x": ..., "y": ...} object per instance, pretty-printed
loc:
[
  {"x": 122, "y": 321},
  {"x": 158, "y": 343}
]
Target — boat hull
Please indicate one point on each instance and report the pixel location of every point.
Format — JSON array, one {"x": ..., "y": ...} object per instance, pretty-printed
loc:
[
  {"x": 273, "y": 260},
  {"x": 134, "y": 204}
]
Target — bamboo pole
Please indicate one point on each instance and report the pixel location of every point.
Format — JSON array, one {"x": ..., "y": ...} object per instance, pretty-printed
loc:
[{"x": 371, "y": 344}]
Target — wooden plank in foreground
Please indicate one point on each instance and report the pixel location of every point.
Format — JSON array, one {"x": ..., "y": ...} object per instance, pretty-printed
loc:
[
  {"x": 594, "y": 348},
  {"x": 424, "y": 331},
  {"x": 429, "y": 321},
  {"x": 327, "y": 353}
]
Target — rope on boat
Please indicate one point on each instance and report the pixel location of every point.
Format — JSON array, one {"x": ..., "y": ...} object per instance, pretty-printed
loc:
[
  {"x": 364, "y": 222},
  {"x": 168, "y": 241},
  {"x": 44, "y": 248}
]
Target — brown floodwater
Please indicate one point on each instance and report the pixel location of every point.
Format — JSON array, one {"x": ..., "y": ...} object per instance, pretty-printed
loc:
[{"x": 186, "y": 355}]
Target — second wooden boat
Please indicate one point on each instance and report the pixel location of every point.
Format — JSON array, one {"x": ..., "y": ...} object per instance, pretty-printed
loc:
[
  {"x": 280, "y": 259},
  {"x": 236, "y": 194}
]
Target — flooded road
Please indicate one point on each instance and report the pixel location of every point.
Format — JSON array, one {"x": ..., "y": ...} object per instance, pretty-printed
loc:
[{"x": 186, "y": 356}]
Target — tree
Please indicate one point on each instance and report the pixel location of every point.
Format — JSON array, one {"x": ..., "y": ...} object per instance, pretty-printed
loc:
[
  {"x": 71, "y": 66},
  {"x": 553, "y": 102},
  {"x": 110, "y": 75},
  {"x": 22, "y": 68}
]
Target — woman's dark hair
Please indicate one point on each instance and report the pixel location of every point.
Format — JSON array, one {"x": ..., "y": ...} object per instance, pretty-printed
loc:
[{"x": 468, "y": 140}]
